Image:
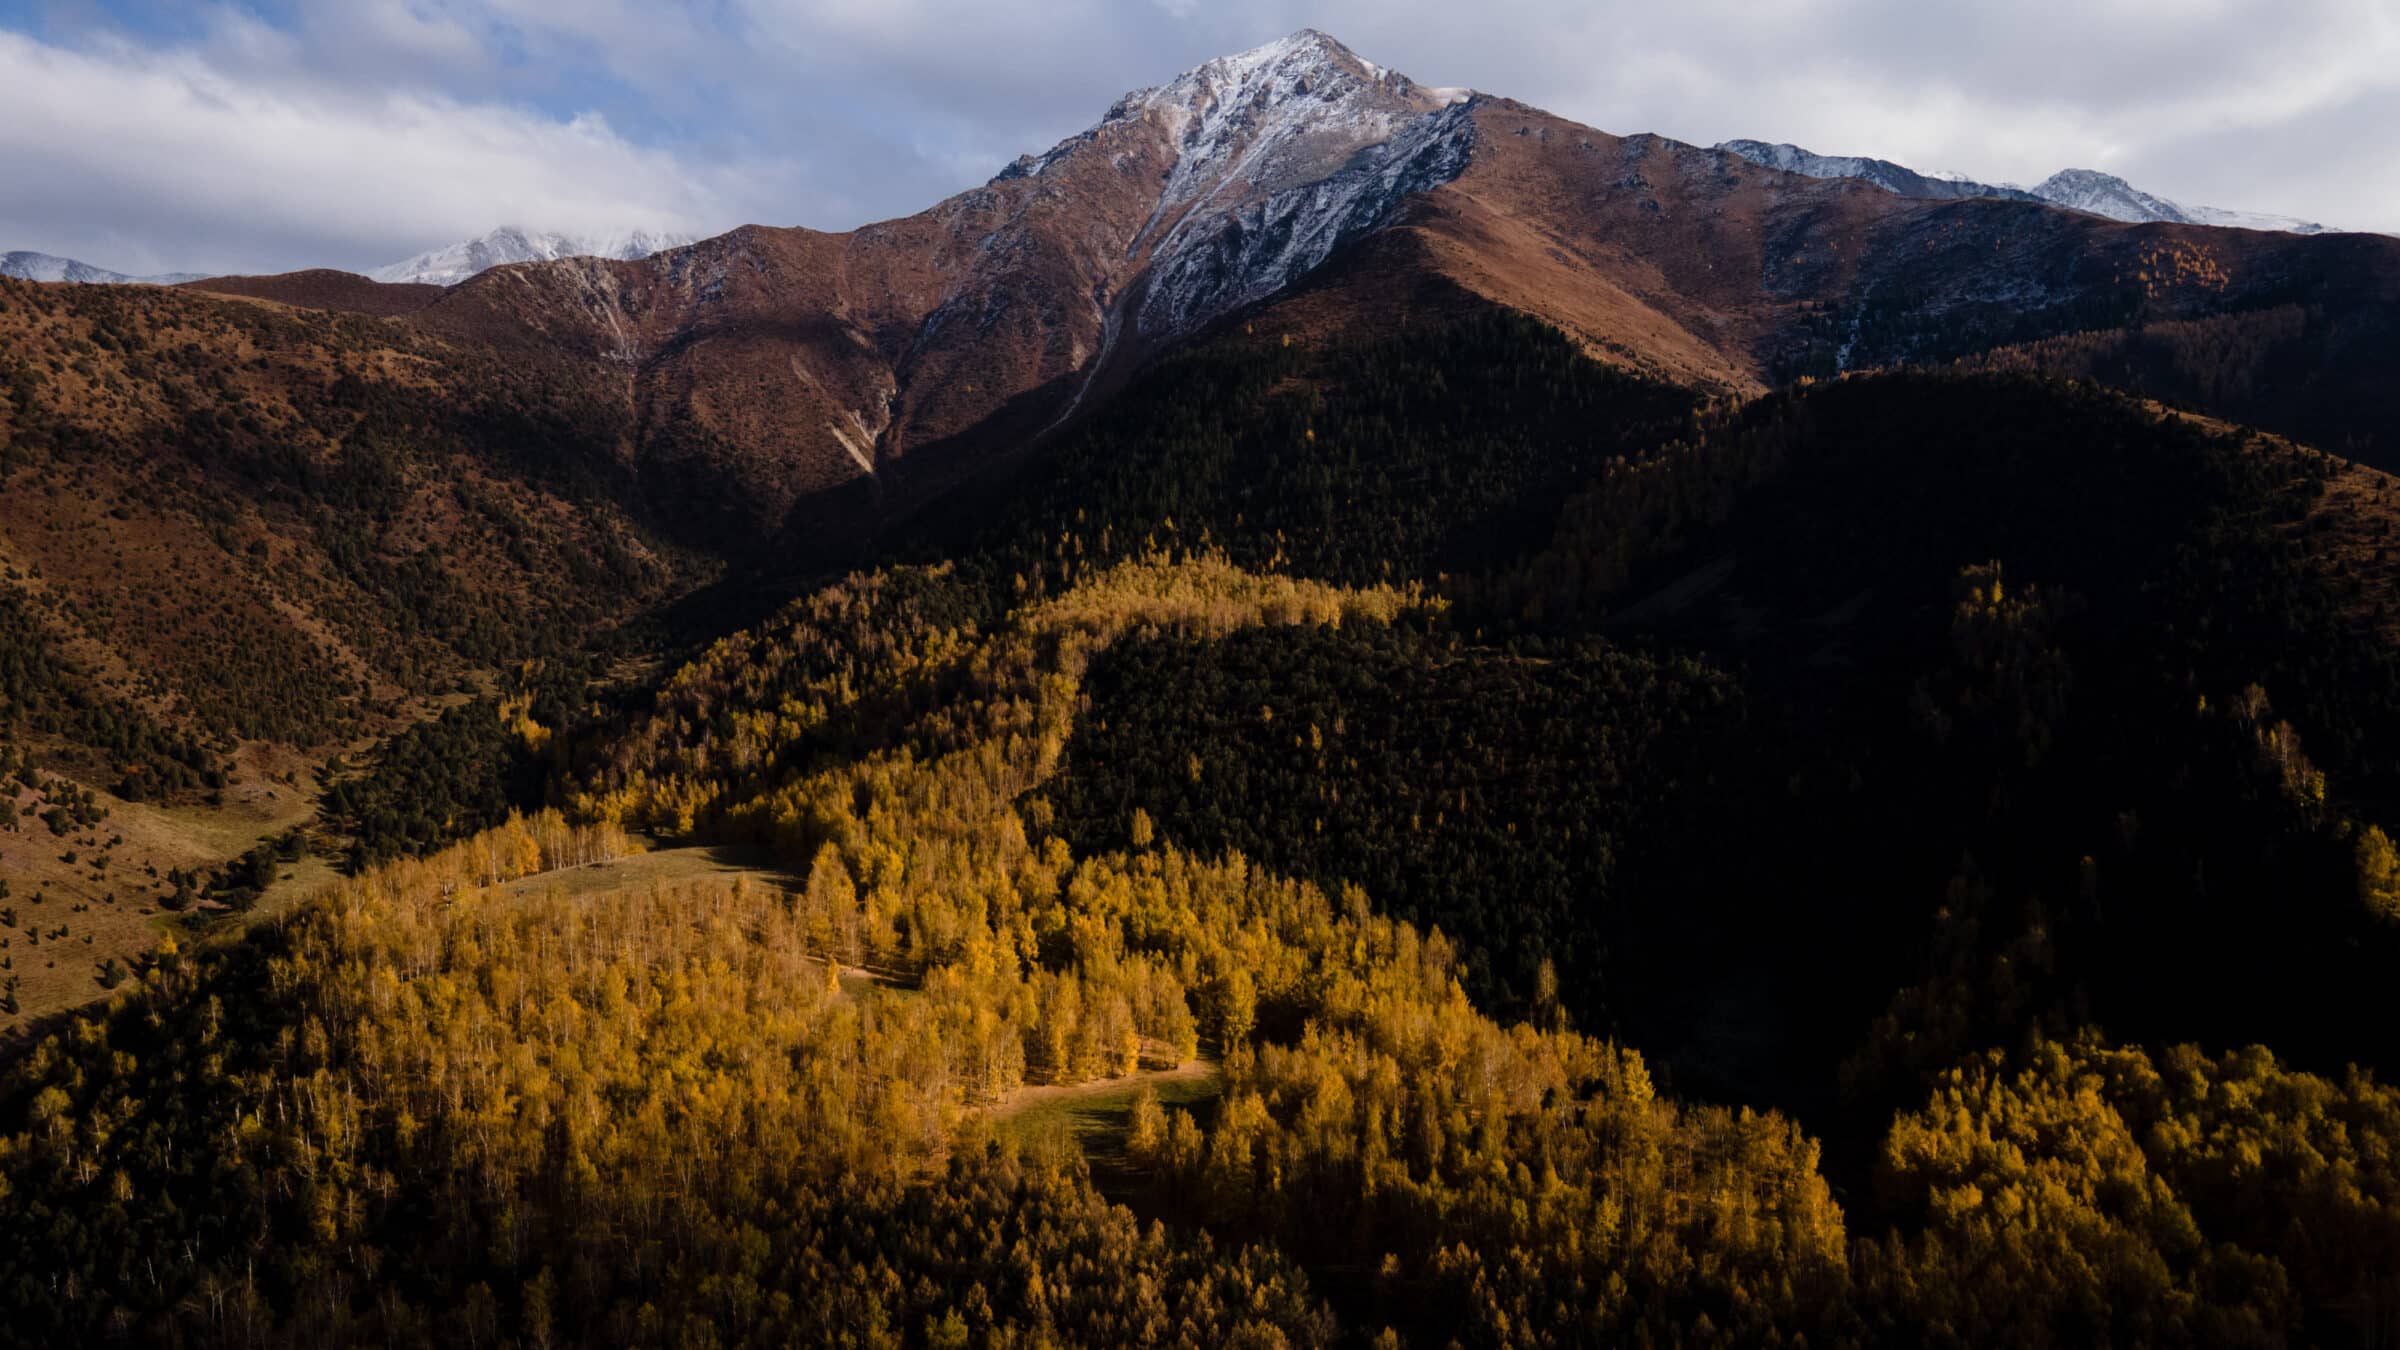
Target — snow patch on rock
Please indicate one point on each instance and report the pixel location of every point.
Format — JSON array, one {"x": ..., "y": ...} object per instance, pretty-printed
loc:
[
  {"x": 1883, "y": 173},
  {"x": 1214, "y": 262}
]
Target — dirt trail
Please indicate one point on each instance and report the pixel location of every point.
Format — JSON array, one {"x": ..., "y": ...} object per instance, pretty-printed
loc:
[{"x": 1107, "y": 1097}]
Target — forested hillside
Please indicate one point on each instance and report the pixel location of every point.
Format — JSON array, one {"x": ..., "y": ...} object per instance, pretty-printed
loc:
[
  {"x": 240, "y": 542},
  {"x": 1522, "y": 793},
  {"x": 1430, "y": 448},
  {"x": 1411, "y": 838}
]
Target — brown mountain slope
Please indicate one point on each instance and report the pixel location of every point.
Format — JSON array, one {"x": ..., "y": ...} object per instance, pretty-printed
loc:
[
  {"x": 325, "y": 288},
  {"x": 1698, "y": 265},
  {"x": 768, "y": 364},
  {"x": 262, "y": 522},
  {"x": 1657, "y": 253},
  {"x": 768, "y": 367},
  {"x": 769, "y": 377},
  {"x": 237, "y": 538},
  {"x": 772, "y": 378},
  {"x": 286, "y": 525}
]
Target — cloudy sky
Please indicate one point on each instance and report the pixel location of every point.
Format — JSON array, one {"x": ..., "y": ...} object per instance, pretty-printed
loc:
[{"x": 149, "y": 135}]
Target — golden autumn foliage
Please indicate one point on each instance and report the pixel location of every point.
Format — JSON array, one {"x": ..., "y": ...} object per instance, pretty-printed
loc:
[{"x": 459, "y": 1100}]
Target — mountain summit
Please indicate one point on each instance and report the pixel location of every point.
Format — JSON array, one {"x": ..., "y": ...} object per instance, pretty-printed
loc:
[
  {"x": 1275, "y": 117},
  {"x": 1278, "y": 154},
  {"x": 2105, "y": 194}
]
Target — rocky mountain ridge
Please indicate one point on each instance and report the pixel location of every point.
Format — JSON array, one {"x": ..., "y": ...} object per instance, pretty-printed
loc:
[{"x": 2086, "y": 190}]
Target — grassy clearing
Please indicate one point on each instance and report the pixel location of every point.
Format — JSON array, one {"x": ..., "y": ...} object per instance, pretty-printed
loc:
[
  {"x": 664, "y": 867},
  {"x": 93, "y": 896},
  {"x": 1096, "y": 1115}
]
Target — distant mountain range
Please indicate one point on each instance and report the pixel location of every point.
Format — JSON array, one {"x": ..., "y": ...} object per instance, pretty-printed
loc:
[
  {"x": 2108, "y": 195},
  {"x": 2086, "y": 190},
  {"x": 512, "y": 244},
  {"x": 1308, "y": 127},
  {"x": 30, "y": 266},
  {"x": 439, "y": 267}
]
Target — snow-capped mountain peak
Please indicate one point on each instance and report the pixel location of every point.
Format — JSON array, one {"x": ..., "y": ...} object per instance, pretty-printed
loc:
[
  {"x": 26, "y": 265},
  {"x": 2102, "y": 194},
  {"x": 2105, "y": 194},
  {"x": 1282, "y": 153},
  {"x": 1268, "y": 118},
  {"x": 1289, "y": 111},
  {"x": 514, "y": 244},
  {"x": 1275, "y": 156}
]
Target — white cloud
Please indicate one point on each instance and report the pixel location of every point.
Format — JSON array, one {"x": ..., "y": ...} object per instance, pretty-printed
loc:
[
  {"x": 252, "y": 173},
  {"x": 2155, "y": 89}
]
